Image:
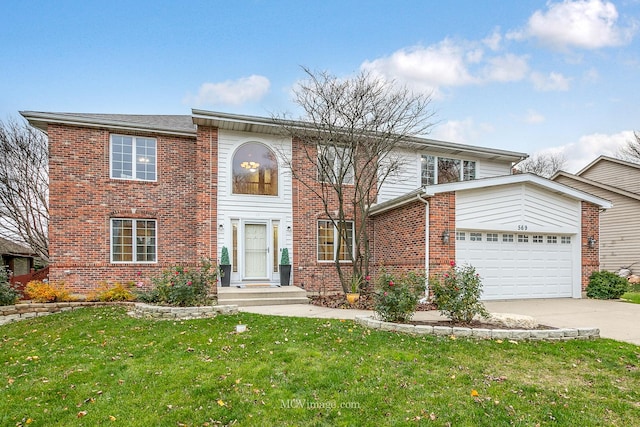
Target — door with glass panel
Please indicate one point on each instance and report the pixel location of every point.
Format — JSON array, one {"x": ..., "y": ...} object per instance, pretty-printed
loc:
[{"x": 256, "y": 251}]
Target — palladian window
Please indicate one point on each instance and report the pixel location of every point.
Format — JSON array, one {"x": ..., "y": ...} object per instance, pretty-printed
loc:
[{"x": 255, "y": 170}]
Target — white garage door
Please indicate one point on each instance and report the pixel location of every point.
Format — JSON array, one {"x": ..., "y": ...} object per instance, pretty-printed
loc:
[{"x": 516, "y": 266}]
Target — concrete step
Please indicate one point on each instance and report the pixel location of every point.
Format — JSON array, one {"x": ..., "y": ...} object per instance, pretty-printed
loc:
[{"x": 261, "y": 295}]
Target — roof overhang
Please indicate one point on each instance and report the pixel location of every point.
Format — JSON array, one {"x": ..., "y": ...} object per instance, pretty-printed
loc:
[
  {"x": 522, "y": 178},
  {"x": 597, "y": 184},
  {"x": 41, "y": 120}
]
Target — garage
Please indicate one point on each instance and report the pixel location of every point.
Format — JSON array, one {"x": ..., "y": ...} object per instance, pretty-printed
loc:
[{"x": 518, "y": 266}]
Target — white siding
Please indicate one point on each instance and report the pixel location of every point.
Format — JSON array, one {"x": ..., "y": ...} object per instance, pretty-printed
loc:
[
  {"x": 491, "y": 168},
  {"x": 247, "y": 207},
  {"x": 517, "y": 207}
]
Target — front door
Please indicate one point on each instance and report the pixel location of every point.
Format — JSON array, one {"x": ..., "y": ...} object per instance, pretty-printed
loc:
[{"x": 255, "y": 251}]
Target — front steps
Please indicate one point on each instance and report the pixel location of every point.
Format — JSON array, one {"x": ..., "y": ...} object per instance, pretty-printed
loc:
[{"x": 253, "y": 295}]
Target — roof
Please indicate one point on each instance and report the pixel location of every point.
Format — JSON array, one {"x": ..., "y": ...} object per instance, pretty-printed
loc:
[
  {"x": 167, "y": 124},
  {"x": 527, "y": 178},
  {"x": 186, "y": 125},
  {"x": 7, "y": 247},
  {"x": 608, "y": 159},
  {"x": 597, "y": 184}
]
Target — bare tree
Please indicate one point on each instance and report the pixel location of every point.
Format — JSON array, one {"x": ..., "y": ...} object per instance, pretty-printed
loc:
[
  {"x": 631, "y": 151},
  {"x": 350, "y": 133},
  {"x": 545, "y": 165},
  {"x": 24, "y": 186}
]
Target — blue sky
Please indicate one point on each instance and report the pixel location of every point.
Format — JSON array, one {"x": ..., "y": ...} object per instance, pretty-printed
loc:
[{"x": 532, "y": 76}]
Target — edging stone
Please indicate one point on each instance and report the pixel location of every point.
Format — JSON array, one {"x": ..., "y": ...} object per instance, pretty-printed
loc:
[
  {"x": 159, "y": 312},
  {"x": 29, "y": 310},
  {"x": 563, "y": 334}
]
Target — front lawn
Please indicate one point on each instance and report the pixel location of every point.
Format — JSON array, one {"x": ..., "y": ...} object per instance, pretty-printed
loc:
[
  {"x": 100, "y": 367},
  {"x": 633, "y": 297}
]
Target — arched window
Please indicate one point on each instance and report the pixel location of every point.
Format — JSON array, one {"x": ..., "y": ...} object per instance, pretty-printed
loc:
[{"x": 255, "y": 170}]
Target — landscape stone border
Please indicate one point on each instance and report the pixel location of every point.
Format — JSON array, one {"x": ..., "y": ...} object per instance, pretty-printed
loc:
[
  {"x": 160, "y": 312},
  {"x": 14, "y": 313},
  {"x": 561, "y": 334}
]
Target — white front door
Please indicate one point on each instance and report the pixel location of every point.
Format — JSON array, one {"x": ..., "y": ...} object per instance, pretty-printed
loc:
[{"x": 255, "y": 251}]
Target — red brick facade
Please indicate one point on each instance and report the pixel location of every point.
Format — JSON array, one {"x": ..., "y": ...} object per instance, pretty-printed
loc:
[
  {"x": 590, "y": 228},
  {"x": 442, "y": 217}
]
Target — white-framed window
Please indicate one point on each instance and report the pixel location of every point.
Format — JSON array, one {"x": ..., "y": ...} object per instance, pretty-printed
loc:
[
  {"x": 552, "y": 239},
  {"x": 565, "y": 240},
  {"x": 492, "y": 237},
  {"x": 440, "y": 170},
  {"x": 507, "y": 238},
  {"x": 475, "y": 237},
  {"x": 133, "y": 240},
  {"x": 328, "y": 238},
  {"x": 255, "y": 170},
  {"x": 334, "y": 165},
  {"x": 461, "y": 235},
  {"x": 523, "y": 238},
  {"x": 133, "y": 157},
  {"x": 538, "y": 239}
]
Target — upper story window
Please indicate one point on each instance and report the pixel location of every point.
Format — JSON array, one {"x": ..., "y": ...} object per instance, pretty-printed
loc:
[
  {"x": 255, "y": 170},
  {"x": 133, "y": 157},
  {"x": 334, "y": 165},
  {"x": 440, "y": 170}
]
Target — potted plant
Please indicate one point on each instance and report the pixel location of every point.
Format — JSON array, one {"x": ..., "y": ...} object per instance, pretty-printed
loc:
[
  {"x": 354, "y": 295},
  {"x": 225, "y": 268},
  {"x": 285, "y": 268}
]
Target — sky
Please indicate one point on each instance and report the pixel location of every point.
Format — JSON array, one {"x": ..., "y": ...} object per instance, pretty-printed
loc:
[{"x": 526, "y": 76}]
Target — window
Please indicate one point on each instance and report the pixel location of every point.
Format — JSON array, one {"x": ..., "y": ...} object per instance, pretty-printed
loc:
[
  {"x": 507, "y": 238},
  {"x": 276, "y": 246},
  {"x": 565, "y": 240},
  {"x": 552, "y": 239},
  {"x": 492, "y": 237},
  {"x": 133, "y": 157},
  {"x": 538, "y": 239},
  {"x": 328, "y": 237},
  {"x": 523, "y": 238},
  {"x": 475, "y": 237},
  {"x": 234, "y": 244},
  {"x": 334, "y": 165},
  {"x": 133, "y": 240},
  {"x": 461, "y": 235},
  {"x": 255, "y": 170},
  {"x": 442, "y": 170}
]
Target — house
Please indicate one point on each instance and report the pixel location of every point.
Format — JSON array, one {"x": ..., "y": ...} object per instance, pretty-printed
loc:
[
  {"x": 618, "y": 181},
  {"x": 133, "y": 194},
  {"x": 18, "y": 258}
]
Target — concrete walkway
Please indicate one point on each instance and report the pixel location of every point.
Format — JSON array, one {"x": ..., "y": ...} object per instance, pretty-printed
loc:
[{"x": 615, "y": 319}]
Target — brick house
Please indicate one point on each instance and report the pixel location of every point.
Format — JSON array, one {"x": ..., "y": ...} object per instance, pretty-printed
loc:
[{"x": 133, "y": 194}]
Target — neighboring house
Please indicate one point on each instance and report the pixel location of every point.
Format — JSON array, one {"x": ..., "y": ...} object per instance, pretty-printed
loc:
[
  {"x": 618, "y": 181},
  {"x": 18, "y": 258},
  {"x": 131, "y": 195}
]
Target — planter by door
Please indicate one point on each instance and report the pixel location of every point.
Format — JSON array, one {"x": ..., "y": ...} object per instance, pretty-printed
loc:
[
  {"x": 225, "y": 278},
  {"x": 285, "y": 275}
]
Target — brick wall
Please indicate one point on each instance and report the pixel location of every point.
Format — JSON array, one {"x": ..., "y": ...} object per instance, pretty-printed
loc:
[
  {"x": 83, "y": 199},
  {"x": 442, "y": 216},
  {"x": 590, "y": 228}
]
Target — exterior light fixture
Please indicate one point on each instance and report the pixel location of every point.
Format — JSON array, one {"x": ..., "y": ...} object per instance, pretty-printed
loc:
[
  {"x": 445, "y": 236},
  {"x": 221, "y": 226},
  {"x": 591, "y": 242}
]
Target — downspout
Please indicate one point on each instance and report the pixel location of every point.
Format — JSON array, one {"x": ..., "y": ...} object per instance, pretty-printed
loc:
[{"x": 426, "y": 246}]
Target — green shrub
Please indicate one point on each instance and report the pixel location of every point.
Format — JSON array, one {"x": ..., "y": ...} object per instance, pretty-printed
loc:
[
  {"x": 224, "y": 256},
  {"x": 396, "y": 300},
  {"x": 8, "y": 292},
  {"x": 284, "y": 258},
  {"x": 180, "y": 286},
  {"x": 606, "y": 285},
  {"x": 457, "y": 293}
]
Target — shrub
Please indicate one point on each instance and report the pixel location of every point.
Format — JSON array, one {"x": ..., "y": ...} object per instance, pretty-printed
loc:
[
  {"x": 284, "y": 258},
  {"x": 396, "y": 300},
  {"x": 457, "y": 293},
  {"x": 224, "y": 256},
  {"x": 606, "y": 285},
  {"x": 9, "y": 294},
  {"x": 180, "y": 286},
  {"x": 118, "y": 292},
  {"x": 47, "y": 292}
]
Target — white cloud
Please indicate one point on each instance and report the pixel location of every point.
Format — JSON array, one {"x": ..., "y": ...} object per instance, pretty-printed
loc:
[
  {"x": 231, "y": 92},
  {"x": 460, "y": 131},
  {"x": 493, "y": 41},
  {"x": 579, "y": 154},
  {"x": 551, "y": 82},
  {"x": 533, "y": 117},
  {"x": 585, "y": 24},
  {"x": 507, "y": 68}
]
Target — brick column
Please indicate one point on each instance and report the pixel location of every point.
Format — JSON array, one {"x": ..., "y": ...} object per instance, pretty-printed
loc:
[
  {"x": 442, "y": 216},
  {"x": 206, "y": 171},
  {"x": 590, "y": 228}
]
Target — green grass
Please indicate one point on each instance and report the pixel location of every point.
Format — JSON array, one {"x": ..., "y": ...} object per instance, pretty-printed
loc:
[
  {"x": 633, "y": 297},
  {"x": 300, "y": 372}
]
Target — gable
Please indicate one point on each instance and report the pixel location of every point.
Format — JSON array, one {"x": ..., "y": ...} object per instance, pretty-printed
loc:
[
  {"x": 616, "y": 173},
  {"x": 517, "y": 207}
]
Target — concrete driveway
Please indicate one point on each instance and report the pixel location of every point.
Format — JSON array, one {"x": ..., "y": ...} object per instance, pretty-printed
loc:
[{"x": 615, "y": 319}]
